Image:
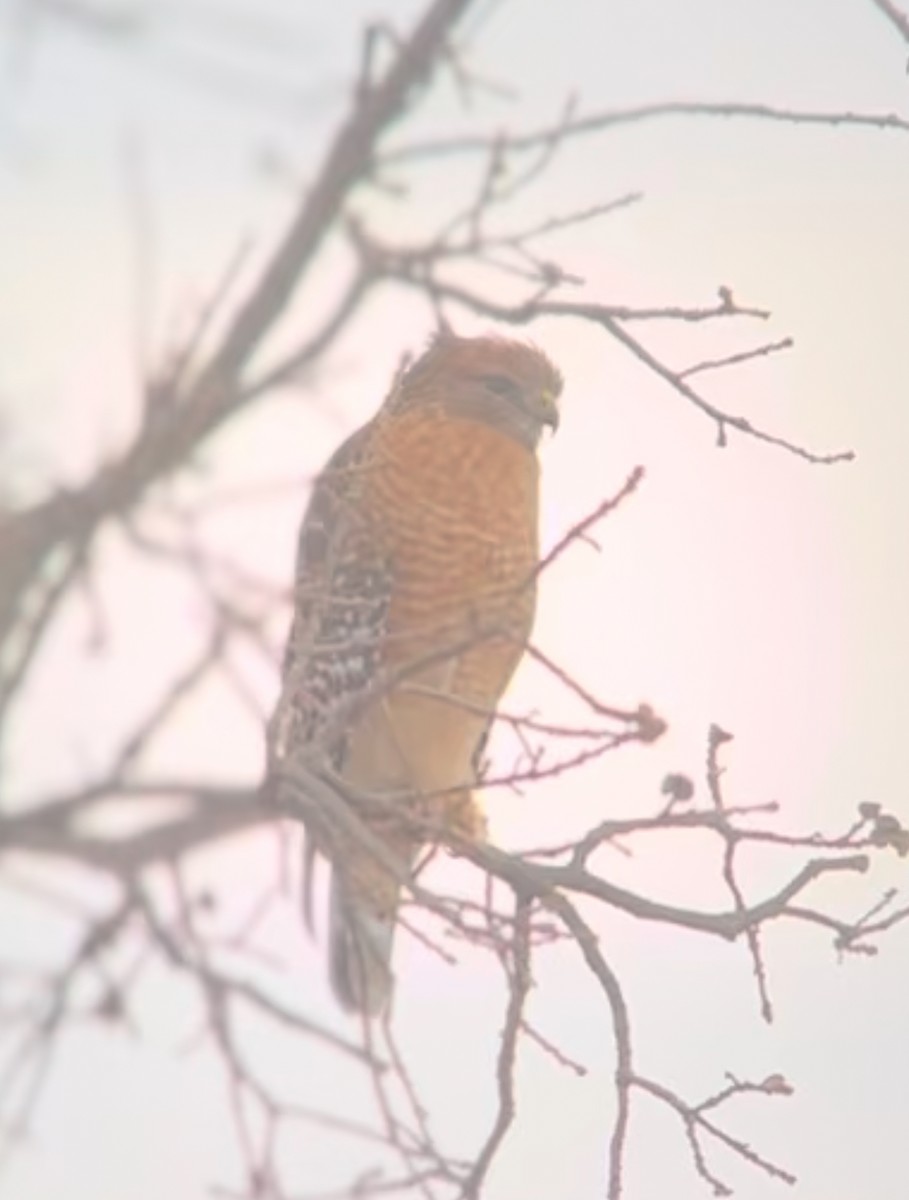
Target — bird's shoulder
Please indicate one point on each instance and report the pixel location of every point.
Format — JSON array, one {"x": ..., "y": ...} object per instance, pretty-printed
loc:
[{"x": 333, "y": 498}]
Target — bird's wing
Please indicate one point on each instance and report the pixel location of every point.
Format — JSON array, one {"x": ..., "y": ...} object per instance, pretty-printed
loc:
[{"x": 341, "y": 592}]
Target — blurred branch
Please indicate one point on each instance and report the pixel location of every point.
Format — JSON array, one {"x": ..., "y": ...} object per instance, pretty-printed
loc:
[
  {"x": 576, "y": 127},
  {"x": 188, "y": 412},
  {"x": 519, "y": 986},
  {"x": 46, "y": 1018},
  {"x": 220, "y": 989},
  {"x": 897, "y": 18},
  {"x": 550, "y": 887},
  {"x": 96, "y": 18},
  {"x": 529, "y": 898}
]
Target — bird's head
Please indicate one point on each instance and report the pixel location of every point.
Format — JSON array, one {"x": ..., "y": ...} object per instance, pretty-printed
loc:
[{"x": 509, "y": 385}]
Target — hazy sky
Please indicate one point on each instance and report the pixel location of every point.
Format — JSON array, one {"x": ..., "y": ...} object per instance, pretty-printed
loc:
[{"x": 744, "y": 586}]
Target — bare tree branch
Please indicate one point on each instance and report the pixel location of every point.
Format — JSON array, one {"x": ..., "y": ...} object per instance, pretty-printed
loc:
[
  {"x": 897, "y": 18},
  {"x": 514, "y": 903},
  {"x": 617, "y": 118}
]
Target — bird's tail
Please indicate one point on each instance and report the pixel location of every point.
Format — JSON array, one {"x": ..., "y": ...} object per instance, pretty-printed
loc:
[{"x": 361, "y": 936}]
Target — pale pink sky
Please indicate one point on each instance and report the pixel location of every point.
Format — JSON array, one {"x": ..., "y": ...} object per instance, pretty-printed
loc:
[{"x": 744, "y": 587}]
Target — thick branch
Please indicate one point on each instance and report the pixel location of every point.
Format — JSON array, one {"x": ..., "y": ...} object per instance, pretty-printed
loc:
[{"x": 174, "y": 428}]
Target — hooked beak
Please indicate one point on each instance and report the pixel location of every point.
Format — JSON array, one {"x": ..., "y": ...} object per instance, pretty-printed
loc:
[{"x": 549, "y": 409}]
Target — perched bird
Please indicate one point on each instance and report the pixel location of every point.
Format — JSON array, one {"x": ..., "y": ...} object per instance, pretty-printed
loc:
[{"x": 414, "y": 599}]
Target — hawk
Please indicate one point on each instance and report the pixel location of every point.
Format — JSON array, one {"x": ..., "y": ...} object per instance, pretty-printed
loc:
[{"x": 414, "y": 599}]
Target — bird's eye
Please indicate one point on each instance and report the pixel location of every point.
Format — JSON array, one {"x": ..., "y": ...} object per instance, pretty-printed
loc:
[{"x": 502, "y": 386}]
